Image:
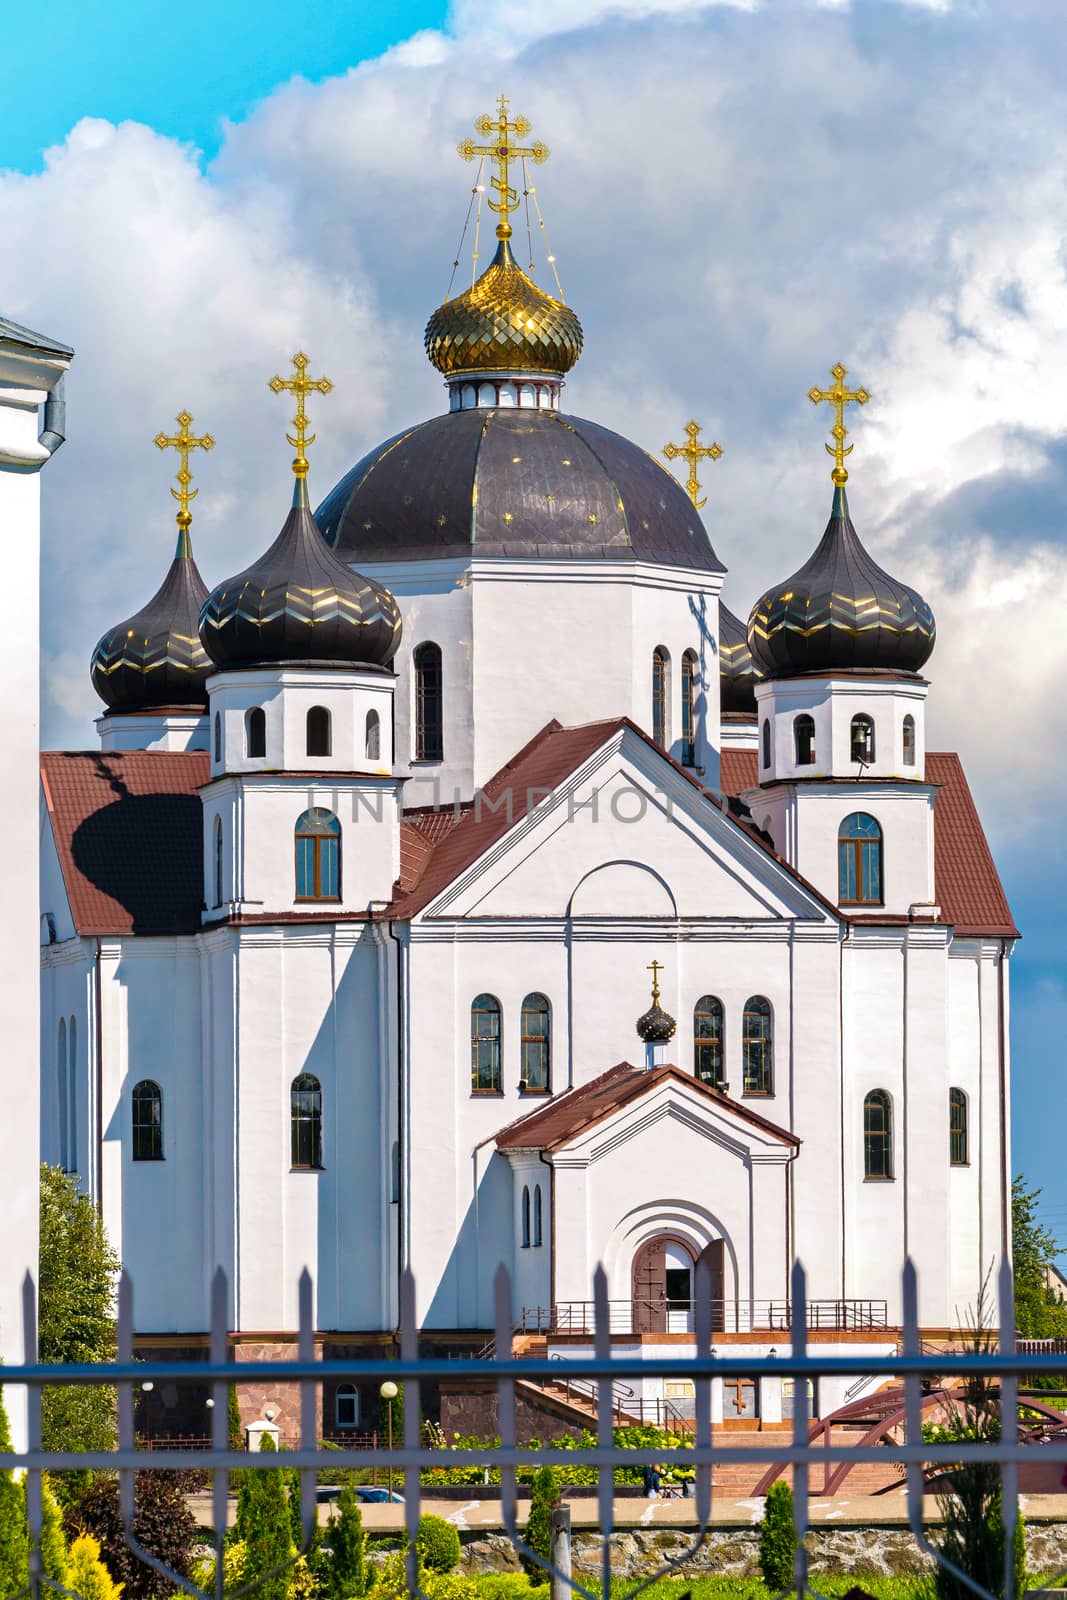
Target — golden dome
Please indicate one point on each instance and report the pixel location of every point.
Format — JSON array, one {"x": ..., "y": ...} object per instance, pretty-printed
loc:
[{"x": 504, "y": 323}]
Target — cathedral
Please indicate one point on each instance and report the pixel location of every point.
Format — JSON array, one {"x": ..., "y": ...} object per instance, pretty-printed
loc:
[{"x": 462, "y": 884}]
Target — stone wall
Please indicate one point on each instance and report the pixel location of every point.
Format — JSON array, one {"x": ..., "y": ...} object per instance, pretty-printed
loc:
[{"x": 471, "y": 1409}]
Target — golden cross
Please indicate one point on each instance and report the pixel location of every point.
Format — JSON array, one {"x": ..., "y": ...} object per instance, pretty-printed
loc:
[
  {"x": 693, "y": 453},
  {"x": 300, "y": 385},
  {"x": 502, "y": 152},
  {"x": 839, "y": 397},
  {"x": 184, "y": 443},
  {"x": 655, "y": 967}
]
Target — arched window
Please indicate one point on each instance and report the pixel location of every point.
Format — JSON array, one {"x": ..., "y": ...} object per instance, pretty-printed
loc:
[
  {"x": 537, "y": 1217},
  {"x": 72, "y": 1088},
  {"x": 305, "y": 1120},
  {"x": 707, "y": 1040},
  {"x": 804, "y": 740},
  {"x": 318, "y": 855},
  {"x": 757, "y": 1043},
  {"x": 396, "y": 1171},
  {"x": 859, "y": 861},
  {"x": 318, "y": 731},
  {"x": 909, "y": 741},
  {"x": 256, "y": 732},
  {"x": 689, "y": 709},
  {"x": 862, "y": 738},
  {"x": 373, "y": 737},
  {"x": 525, "y": 1217},
  {"x": 62, "y": 1095},
  {"x": 346, "y": 1406},
  {"x": 661, "y": 676},
  {"x": 218, "y": 861},
  {"x": 429, "y": 703},
  {"x": 535, "y": 1045},
  {"x": 485, "y": 1045},
  {"x": 877, "y": 1135},
  {"x": 218, "y": 738},
  {"x": 147, "y": 1121},
  {"x": 957, "y": 1128},
  {"x": 766, "y": 742}
]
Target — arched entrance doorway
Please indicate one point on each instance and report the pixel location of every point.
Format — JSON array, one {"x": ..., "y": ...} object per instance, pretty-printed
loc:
[{"x": 663, "y": 1283}]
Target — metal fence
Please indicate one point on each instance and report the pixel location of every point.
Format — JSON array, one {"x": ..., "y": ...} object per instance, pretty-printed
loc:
[{"x": 910, "y": 1367}]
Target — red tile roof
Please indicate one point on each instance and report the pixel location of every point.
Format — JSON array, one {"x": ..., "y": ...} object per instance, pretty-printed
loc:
[
  {"x": 967, "y": 885},
  {"x": 129, "y": 830},
  {"x": 555, "y": 1125}
]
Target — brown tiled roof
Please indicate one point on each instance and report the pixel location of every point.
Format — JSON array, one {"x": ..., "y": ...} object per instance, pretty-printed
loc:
[
  {"x": 555, "y": 1125},
  {"x": 129, "y": 831},
  {"x": 967, "y": 885}
]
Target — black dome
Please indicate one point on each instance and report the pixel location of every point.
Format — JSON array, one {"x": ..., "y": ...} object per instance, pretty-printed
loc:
[
  {"x": 298, "y": 603},
  {"x": 738, "y": 673},
  {"x": 503, "y": 482},
  {"x": 840, "y": 612},
  {"x": 155, "y": 658}
]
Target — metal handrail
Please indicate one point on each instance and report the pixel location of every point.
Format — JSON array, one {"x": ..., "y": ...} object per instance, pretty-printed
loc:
[{"x": 728, "y": 1316}]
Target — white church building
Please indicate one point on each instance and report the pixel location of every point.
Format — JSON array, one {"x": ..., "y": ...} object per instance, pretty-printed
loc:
[{"x": 347, "y": 922}]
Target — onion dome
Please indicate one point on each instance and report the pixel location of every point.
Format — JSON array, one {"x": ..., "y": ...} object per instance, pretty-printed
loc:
[
  {"x": 738, "y": 673},
  {"x": 299, "y": 604},
  {"x": 155, "y": 660},
  {"x": 503, "y": 323},
  {"x": 656, "y": 1026},
  {"x": 840, "y": 612}
]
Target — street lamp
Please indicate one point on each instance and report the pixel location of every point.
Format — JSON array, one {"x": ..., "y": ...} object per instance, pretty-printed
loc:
[{"x": 388, "y": 1392}]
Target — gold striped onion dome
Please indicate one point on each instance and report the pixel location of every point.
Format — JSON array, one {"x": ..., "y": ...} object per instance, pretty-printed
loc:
[{"x": 503, "y": 323}]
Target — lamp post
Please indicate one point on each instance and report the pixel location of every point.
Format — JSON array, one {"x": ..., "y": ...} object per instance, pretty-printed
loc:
[{"x": 388, "y": 1392}]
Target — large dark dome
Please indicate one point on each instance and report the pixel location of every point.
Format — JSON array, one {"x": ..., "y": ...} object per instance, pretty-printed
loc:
[
  {"x": 738, "y": 673},
  {"x": 840, "y": 612},
  {"x": 155, "y": 659},
  {"x": 504, "y": 482}
]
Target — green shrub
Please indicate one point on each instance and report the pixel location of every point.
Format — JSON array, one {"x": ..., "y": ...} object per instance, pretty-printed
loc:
[
  {"x": 346, "y": 1573},
  {"x": 438, "y": 1544},
  {"x": 778, "y": 1537},
  {"x": 538, "y": 1535}
]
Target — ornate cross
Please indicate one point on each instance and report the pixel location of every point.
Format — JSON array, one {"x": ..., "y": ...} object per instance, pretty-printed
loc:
[
  {"x": 693, "y": 453},
  {"x": 739, "y": 1386},
  {"x": 184, "y": 443},
  {"x": 655, "y": 967},
  {"x": 502, "y": 152},
  {"x": 300, "y": 385},
  {"x": 839, "y": 397}
]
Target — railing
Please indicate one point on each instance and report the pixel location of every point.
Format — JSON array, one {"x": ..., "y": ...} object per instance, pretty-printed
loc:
[
  {"x": 728, "y": 1316},
  {"x": 627, "y": 1406},
  {"x": 906, "y": 1449}
]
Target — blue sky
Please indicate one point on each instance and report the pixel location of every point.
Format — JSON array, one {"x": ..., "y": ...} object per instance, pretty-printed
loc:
[{"x": 738, "y": 195}]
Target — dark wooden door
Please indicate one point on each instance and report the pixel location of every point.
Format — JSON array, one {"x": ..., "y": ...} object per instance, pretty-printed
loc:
[
  {"x": 711, "y": 1266},
  {"x": 650, "y": 1287}
]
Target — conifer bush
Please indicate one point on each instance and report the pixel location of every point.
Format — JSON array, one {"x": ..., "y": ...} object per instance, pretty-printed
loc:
[
  {"x": 438, "y": 1544},
  {"x": 346, "y": 1573},
  {"x": 538, "y": 1535},
  {"x": 14, "y": 1542},
  {"x": 162, "y": 1524},
  {"x": 778, "y": 1537},
  {"x": 87, "y": 1576},
  {"x": 264, "y": 1527}
]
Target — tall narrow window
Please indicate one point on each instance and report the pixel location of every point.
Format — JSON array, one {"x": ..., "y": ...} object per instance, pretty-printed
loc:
[
  {"x": 525, "y": 1217},
  {"x": 485, "y": 1045},
  {"x": 218, "y": 738},
  {"x": 766, "y": 742},
  {"x": 62, "y": 1095},
  {"x": 877, "y": 1135},
  {"x": 957, "y": 1128},
  {"x": 256, "y": 731},
  {"x": 859, "y": 861},
  {"x": 318, "y": 855},
  {"x": 804, "y": 740},
  {"x": 535, "y": 1045},
  {"x": 72, "y": 1089},
  {"x": 661, "y": 672},
  {"x": 346, "y": 1406},
  {"x": 537, "y": 1219},
  {"x": 862, "y": 738},
  {"x": 218, "y": 861},
  {"x": 318, "y": 731},
  {"x": 707, "y": 1040},
  {"x": 689, "y": 709},
  {"x": 909, "y": 741},
  {"x": 305, "y": 1120},
  {"x": 373, "y": 737},
  {"x": 147, "y": 1121},
  {"x": 758, "y": 1047},
  {"x": 429, "y": 703}
]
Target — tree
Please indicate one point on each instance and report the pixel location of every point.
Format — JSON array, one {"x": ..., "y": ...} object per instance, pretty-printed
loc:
[
  {"x": 538, "y": 1535},
  {"x": 75, "y": 1323},
  {"x": 345, "y": 1575},
  {"x": 235, "y": 1435},
  {"x": 263, "y": 1526},
  {"x": 14, "y": 1541},
  {"x": 313, "y": 1553},
  {"x": 438, "y": 1544},
  {"x": 162, "y": 1524},
  {"x": 1038, "y": 1314},
  {"x": 87, "y": 1575},
  {"x": 54, "y": 1559},
  {"x": 778, "y": 1537}
]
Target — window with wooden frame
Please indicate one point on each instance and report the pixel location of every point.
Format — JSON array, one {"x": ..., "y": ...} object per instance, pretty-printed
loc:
[
  {"x": 861, "y": 738},
  {"x": 804, "y": 740},
  {"x": 318, "y": 855},
  {"x": 757, "y": 1045},
  {"x": 429, "y": 703},
  {"x": 147, "y": 1121},
  {"x": 485, "y": 1045},
  {"x": 346, "y": 1406},
  {"x": 689, "y": 709},
  {"x": 878, "y": 1135},
  {"x": 319, "y": 741},
  {"x": 859, "y": 861},
  {"x": 305, "y": 1122},
  {"x": 535, "y": 1045},
  {"x": 958, "y": 1154},
  {"x": 525, "y": 1217},
  {"x": 661, "y": 684},
  {"x": 707, "y": 1040}
]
